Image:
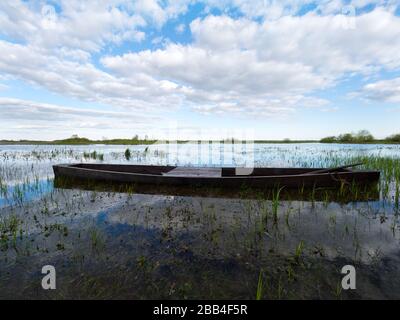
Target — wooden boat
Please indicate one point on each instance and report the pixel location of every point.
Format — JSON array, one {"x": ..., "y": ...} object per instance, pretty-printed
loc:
[{"x": 218, "y": 177}]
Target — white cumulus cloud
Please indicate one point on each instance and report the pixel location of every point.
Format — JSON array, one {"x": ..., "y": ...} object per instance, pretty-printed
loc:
[{"x": 384, "y": 90}]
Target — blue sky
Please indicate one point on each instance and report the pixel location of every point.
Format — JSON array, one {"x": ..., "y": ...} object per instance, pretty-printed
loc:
[{"x": 199, "y": 69}]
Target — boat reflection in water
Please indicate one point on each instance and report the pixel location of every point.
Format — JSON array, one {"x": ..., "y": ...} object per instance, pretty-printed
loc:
[{"x": 345, "y": 194}]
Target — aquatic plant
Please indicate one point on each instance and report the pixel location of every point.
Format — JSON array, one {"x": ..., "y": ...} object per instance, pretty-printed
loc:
[
  {"x": 260, "y": 285},
  {"x": 128, "y": 154},
  {"x": 93, "y": 155},
  {"x": 9, "y": 229},
  {"x": 337, "y": 292},
  {"x": 290, "y": 273},
  {"x": 275, "y": 203},
  {"x": 96, "y": 239},
  {"x": 3, "y": 188},
  {"x": 298, "y": 252}
]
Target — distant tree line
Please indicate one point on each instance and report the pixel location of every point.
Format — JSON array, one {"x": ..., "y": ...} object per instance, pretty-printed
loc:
[
  {"x": 394, "y": 138},
  {"x": 362, "y": 136},
  {"x": 76, "y": 140}
]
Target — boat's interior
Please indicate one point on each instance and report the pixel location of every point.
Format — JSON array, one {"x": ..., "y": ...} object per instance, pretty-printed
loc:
[
  {"x": 194, "y": 171},
  {"x": 143, "y": 169}
]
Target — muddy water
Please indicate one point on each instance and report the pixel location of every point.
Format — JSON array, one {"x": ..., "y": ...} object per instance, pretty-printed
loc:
[{"x": 108, "y": 244}]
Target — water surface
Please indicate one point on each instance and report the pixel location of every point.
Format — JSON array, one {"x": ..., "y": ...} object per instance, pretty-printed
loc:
[{"x": 130, "y": 244}]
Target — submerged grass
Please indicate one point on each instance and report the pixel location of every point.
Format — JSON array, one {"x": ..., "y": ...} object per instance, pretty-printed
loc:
[
  {"x": 275, "y": 203},
  {"x": 9, "y": 231},
  {"x": 260, "y": 286}
]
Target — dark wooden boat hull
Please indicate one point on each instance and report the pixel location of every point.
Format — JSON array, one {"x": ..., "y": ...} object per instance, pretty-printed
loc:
[{"x": 259, "y": 178}]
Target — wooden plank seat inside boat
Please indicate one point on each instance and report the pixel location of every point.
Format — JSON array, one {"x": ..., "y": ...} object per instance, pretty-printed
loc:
[
  {"x": 194, "y": 172},
  {"x": 265, "y": 172}
]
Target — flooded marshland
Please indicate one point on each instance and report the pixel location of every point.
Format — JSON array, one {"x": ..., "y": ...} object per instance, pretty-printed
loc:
[{"x": 123, "y": 242}]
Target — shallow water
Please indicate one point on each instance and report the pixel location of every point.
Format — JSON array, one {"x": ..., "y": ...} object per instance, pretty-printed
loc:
[{"x": 107, "y": 244}]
